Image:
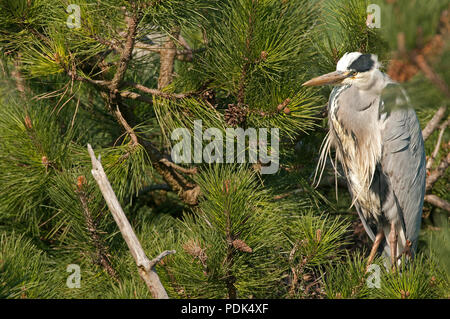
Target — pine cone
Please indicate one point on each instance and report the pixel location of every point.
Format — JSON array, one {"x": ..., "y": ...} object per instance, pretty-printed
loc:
[
  {"x": 235, "y": 115},
  {"x": 242, "y": 246}
]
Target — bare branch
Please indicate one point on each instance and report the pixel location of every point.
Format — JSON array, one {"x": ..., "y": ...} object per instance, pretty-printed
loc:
[
  {"x": 438, "y": 202},
  {"x": 157, "y": 259},
  {"x": 442, "y": 128},
  {"x": 136, "y": 96},
  {"x": 145, "y": 266},
  {"x": 438, "y": 172},
  {"x": 434, "y": 122},
  {"x": 156, "y": 92}
]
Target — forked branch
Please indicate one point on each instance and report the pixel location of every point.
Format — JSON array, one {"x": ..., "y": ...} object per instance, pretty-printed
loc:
[{"x": 144, "y": 264}]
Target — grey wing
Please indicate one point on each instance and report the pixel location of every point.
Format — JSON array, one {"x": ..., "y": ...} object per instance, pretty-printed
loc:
[{"x": 403, "y": 160}]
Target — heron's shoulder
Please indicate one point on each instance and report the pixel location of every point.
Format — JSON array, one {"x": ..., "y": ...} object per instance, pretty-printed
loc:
[{"x": 394, "y": 97}]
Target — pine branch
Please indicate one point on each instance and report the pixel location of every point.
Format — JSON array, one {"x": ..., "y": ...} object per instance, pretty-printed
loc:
[
  {"x": 245, "y": 67},
  {"x": 230, "y": 279},
  {"x": 126, "y": 54},
  {"x": 145, "y": 265},
  {"x": 433, "y": 177},
  {"x": 20, "y": 82},
  {"x": 186, "y": 55},
  {"x": 188, "y": 193},
  {"x": 156, "y": 92},
  {"x": 102, "y": 257}
]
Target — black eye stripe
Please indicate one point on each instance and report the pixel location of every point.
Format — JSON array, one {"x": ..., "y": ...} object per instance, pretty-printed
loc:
[{"x": 362, "y": 64}]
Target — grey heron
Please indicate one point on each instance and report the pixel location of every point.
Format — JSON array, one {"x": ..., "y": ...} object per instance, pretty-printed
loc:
[{"x": 379, "y": 144}]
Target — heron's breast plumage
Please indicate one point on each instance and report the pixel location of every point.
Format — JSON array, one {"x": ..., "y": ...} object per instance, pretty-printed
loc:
[{"x": 358, "y": 146}]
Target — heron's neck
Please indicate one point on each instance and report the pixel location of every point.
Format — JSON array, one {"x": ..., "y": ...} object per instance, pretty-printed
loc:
[{"x": 373, "y": 81}]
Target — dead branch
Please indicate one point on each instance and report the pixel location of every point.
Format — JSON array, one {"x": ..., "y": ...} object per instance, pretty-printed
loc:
[
  {"x": 433, "y": 124},
  {"x": 145, "y": 265},
  {"x": 438, "y": 172},
  {"x": 438, "y": 202},
  {"x": 437, "y": 147}
]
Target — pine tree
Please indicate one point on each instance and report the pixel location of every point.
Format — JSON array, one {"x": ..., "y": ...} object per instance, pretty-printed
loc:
[{"x": 124, "y": 75}]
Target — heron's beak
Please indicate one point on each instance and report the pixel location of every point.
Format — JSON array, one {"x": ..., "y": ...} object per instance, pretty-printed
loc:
[{"x": 329, "y": 78}]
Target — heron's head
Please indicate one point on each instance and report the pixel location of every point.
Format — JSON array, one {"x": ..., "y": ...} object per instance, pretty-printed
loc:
[{"x": 353, "y": 68}]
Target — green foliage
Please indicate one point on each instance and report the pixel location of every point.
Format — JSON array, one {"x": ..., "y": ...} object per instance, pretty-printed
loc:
[
  {"x": 250, "y": 236},
  {"x": 345, "y": 29},
  {"x": 412, "y": 281},
  {"x": 413, "y": 18},
  {"x": 231, "y": 244},
  {"x": 32, "y": 148},
  {"x": 317, "y": 239},
  {"x": 22, "y": 268},
  {"x": 346, "y": 278}
]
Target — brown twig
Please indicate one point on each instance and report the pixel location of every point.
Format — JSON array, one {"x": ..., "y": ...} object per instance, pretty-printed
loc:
[
  {"x": 156, "y": 92},
  {"x": 167, "y": 59},
  {"x": 126, "y": 54},
  {"x": 178, "y": 168}
]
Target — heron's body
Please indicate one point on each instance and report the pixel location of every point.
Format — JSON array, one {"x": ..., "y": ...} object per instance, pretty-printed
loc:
[{"x": 379, "y": 145}]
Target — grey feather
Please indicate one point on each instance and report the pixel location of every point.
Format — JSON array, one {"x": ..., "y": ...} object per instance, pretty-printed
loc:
[{"x": 403, "y": 159}]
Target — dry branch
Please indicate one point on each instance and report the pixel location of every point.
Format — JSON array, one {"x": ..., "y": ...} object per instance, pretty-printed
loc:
[
  {"x": 437, "y": 147},
  {"x": 438, "y": 202},
  {"x": 434, "y": 122},
  {"x": 438, "y": 172},
  {"x": 145, "y": 265}
]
